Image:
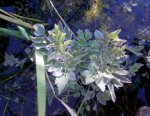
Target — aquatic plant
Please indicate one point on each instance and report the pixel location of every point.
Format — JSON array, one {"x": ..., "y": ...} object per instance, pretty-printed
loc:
[{"x": 87, "y": 64}]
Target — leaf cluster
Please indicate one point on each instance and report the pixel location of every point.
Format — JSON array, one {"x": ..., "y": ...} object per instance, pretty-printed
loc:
[{"x": 92, "y": 59}]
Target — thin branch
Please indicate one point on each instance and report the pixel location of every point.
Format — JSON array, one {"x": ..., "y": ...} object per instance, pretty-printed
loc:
[{"x": 61, "y": 17}]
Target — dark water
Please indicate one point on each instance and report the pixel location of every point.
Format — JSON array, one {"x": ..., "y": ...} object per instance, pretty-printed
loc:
[{"x": 18, "y": 95}]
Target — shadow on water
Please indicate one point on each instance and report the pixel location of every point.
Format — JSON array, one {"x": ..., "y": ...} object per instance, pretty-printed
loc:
[{"x": 18, "y": 95}]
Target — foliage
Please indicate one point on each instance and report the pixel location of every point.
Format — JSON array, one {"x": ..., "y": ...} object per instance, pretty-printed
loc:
[
  {"x": 88, "y": 65},
  {"x": 41, "y": 84},
  {"x": 137, "y": 52},
  {"x": 134, "y": 68},
  {"x": 6, "y": 32},
  {"x": 14, "y": 20},
  {"x": 92, "y": 59},
  {"x": 10, "y": 60},
  {"x": 148, "y": 59}
]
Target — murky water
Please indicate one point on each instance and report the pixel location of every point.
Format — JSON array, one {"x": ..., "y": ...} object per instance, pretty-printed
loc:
[{"x": 18, "y": 95}]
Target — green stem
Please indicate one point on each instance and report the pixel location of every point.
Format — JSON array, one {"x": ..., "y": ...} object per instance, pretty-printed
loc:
[
  {"x": 5, "y": 108},
  {"x": 82, "y": 102}
]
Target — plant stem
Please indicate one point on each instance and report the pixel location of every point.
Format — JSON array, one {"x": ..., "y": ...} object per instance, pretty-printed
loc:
[
  {"x": 83, "y": 101},
  {"x": 61, "y": 18}
]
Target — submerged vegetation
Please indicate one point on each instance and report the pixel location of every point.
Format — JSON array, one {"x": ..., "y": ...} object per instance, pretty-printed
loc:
[{"x": 85, "y": 65}]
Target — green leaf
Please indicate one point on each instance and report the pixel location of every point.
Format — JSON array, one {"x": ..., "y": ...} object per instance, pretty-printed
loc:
[
  {"x": 26, "y": 18},
  {"x": 134, "y": 68},
  {"x": 101, "y": 84},
  {"x": 82, "y": 42},
  {"x": 90, "y": 95},
  {"x": 91, "y": 43},
  {"x": 88, "y": 76},
  {"x": 68, "y": 55},
  {"x": 62, "y": 82},
  {"x": 57, "y": 73},
  {"x": 100, "y": 98},
  {"x": 121, "y": 72},
  {"x": 72, "y": 76},
  {"x": 39, "y": 45},
  {"x": 123, "y": 79},
  {"x": 37, "y": 39},
  {"x": 54, "y": 36},
  {"x": 76, "y": 59},
  {"x": 139, "y": 48},
  {"x": 83, "y": 92},
  {"x": 87, "y": 34},
  {"x": 78, "y": 56},
  {"x": 16, "y": 21},
  {"x": 66, "y": 43},
  {"x": 122, "y": 49},
  {"x": 107, "y": 95},
  {"x": 50, "y": 97},
  {"x": 72, "y": 84},
  {"x": 62, "y": 37},
  {"x": 135, "y": 49},
  {"x": 54, "y": 66},
  {"x": 56, "y": 29},
  {"x": 81, "y": 39},
  {"x": 149, "y": 53},
  {"x": 43, "y": 51},
  {"x": 50, "y": 38},
  {"x": 39, "y": 30},
  {"x": 6, "y": 13},
  {"x": 58, "y": 36},
  {"x": 11, "y": 32},
  {"x": 111, "y": 90},
  {"x": 117, "y": 83},
  {"x": 114, "y": 35},
  {"x": 80, "y": 34},
  {"x": 23, "y": 31},
  {"x": 94, "y": 58},
  {"x": 11, "y": 60},
  {"x": 41, "y": 84},
  {"x": 92, "y": 67},
  {"x": 148, "y": 56},
  {"x": 98, "y": 34}
]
